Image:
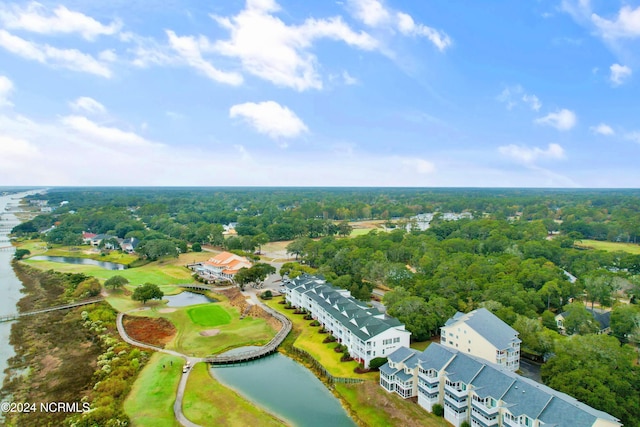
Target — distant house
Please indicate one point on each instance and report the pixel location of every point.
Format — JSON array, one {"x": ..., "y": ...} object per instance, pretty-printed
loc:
[
  {"x": 98, "y": 238},
  {"x": 87, "y": 237},
  {"x": 481, "y": 393},
  {"x": 482, "y": 334},
  {"x": 225, "y": 265},
  {"x": 602, "y": 317},
  {"x": 129, "y": 245}
]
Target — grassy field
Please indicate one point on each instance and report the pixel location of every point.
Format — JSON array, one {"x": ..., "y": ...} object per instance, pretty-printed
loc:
[
  {"x": 375, "y": 407},
  {"x": 209, "y": 315},
  {"x": 150, "y": 402},
  {"x": 311, "y": 341},
  {"x": 631, "y": 248},
  {"x": 189, "y": 340},
  {"x": 208, "y": 403}
]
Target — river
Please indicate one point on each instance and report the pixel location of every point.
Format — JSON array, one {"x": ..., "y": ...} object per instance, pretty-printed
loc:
[{"x": 10, "y": 285}]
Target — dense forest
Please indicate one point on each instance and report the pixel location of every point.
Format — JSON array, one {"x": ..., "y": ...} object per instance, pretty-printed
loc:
[{"x": 517, "y": 254}]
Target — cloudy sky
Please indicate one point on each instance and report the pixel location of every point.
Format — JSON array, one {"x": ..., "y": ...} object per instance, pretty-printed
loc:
[{"x": 539, "y": 93}]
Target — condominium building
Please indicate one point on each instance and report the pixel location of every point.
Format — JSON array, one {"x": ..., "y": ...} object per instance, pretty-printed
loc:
[
  {"x": 365, "y": 331},
  {"x": 481, "y": 333},
  {"x": 481, "y": 393}
]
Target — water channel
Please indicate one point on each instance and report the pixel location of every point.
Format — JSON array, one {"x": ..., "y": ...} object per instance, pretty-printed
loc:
[
  {"x": 9, "y": 284},
  {"x": 81, "y": 261},
  {"x": 285, "y": 388},
  {"x": 184, "y": 299}
]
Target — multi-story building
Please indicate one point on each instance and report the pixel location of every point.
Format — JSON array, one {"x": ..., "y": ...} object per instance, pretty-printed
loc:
[
  {"x": 225, "y": 265},
  {"x": 365, "y": 331},
  {"x": 481, "y": 393},
  {"x": 482, "y": 334}
]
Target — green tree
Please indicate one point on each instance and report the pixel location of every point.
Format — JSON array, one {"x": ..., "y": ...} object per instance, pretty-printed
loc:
[
  {"x": 596, "y": 370},
  {"x": 599, "y": 288},
  {"x": 578, "y": 320},
  {"x": 625, "y": 319},
  {"x": 196, "y": 247},
  {"x": 147, "y": 292},
  {"x": 297, "y": 247},
  {"x": 549, "y": 320},
  {"x": 115, "y": 282},
  {"x": 157, "y": 248},
  {"x": 21, "y": 253}
]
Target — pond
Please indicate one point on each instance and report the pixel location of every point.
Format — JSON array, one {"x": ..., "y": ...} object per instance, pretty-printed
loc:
[
  {"x": 83, "y": 261},
  {"x": 187, "y": 298},
  {"x": 286, "y": 389}
]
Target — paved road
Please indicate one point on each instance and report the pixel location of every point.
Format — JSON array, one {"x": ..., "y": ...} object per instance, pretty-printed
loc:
[{"x": 177, "y": 406}]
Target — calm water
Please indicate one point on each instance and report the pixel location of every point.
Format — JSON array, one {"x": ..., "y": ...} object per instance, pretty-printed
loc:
[
  {"x": 82, "y": 261},
  {"x": 286, "y": 389},
  {"x": 9, "y": 284},
  {"x": 186, "y": 298}
]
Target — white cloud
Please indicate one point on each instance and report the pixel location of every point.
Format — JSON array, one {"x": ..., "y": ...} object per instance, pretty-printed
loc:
[
  {"x": 270, "y": 118},
  {"x": 619, "y": 73},
  {"x": 34, "y": 17},
  {"x": 602, "y": 129},
  {"x": 71, "y": 59},
  {"x": 512, "y": 95},
  {"x": 528, "y": 155},
  {"x": 88, "y": 105},
  {"x": 370, "y": 12},
  {"x": 626, "y": 25},
  {"x": 190, "y": 50},
  {"x": 108, "y": 55},
  {"x": 373, "y": 13},
  {"x": 280, "y": 53},
  {"x": 6, "y": 87},
  {"x": 349, "y": 79},
  {"x": 110, "y": 136},
  {"x": 532, "y": 101},
  {"x": 562, "y": 119}
]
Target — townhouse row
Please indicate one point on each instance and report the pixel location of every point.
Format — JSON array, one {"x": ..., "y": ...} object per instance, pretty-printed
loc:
[{"x": 367, "y": 332}]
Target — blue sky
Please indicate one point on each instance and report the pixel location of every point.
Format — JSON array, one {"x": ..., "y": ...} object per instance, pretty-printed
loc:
[{"x": 347, "y": 93}]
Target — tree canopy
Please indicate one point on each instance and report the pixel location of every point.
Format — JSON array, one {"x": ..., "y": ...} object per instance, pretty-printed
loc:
[{"x": 147, "y": 292}]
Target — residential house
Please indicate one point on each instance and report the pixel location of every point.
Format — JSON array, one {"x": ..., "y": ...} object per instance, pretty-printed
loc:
[
  {"x": 482, "y": 393},
  {"x": 367, "y": 332},
  {"x": 97, "y": 239},
  {"x": 87, "y": 237},
  {"x": 602, "y": 317},
  {"x": 225, "y": 265},
  {"x": 482, "y": 334},
  {"x": 129, "y": 245}
]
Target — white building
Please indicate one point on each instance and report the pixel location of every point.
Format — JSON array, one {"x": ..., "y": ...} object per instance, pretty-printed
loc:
[
  {"x": 482, "y": 334},
  {"x": 365, "y": 331},
  {"x": 481, "y": 393}
]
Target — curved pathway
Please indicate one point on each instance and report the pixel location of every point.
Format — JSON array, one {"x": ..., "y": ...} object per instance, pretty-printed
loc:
[{"x": 177, "y": 406}]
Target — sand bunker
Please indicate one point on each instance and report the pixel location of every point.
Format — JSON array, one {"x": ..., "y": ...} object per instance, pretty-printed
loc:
[
  {"x": 210, "y": 332},
  {"x": 166, "y": 310}
]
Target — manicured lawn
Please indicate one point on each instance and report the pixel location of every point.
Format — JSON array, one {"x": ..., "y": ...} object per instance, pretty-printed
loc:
[
  {"x": 375, "y": 407},
  {"x": 209, "y": 315},
  {"x": 360, "y": 231},
  {"x": 631, "y": 248},
  {"x": 420, "y": 345},
  {"x": 310, "y": 341},
  {"x": 208, "y": 403},
  {"x": 150, "y": 402},
  {"x": 189, "y": 340}
]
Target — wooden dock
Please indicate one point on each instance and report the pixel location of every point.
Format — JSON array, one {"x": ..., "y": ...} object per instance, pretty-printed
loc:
[{"x": 15, "y": 316}]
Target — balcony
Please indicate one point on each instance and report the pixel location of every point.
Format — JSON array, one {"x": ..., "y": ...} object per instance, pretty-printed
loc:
[
  {"x": 457, "y": 393},
  {"x": 484, "y": 409},
  {"x": 511, "y": 423},
  {"x": 462, "y": 403},
  {"x": 484, "y": 420}
]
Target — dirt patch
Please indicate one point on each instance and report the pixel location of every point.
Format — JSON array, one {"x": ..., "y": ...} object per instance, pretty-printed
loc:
[
  {"x": 166, "y": 310},
  {"x": 48, "y": 364},
  {"x": 210, "y": 332},
  {"x": 154, "y": 331}
]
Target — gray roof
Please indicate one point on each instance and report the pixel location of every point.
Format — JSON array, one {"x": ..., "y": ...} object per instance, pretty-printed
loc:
[
  {"x": 401, "y": 354},
  {"x": 603, "y": 317},
  {"x": 491, "y": 382},
  {"x": 436, "y": 357},
  {"x": 520, "y": 395},
  {"x": 488, "y": 325},
  {"x": 364, "y": 322}
]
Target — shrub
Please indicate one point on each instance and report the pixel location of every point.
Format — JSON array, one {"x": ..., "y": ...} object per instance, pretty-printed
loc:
[
  {"x": 346, "y": 357},
  {"x": 266, "y": 295},
  {"x": 329, "y": 339},
  {"x": 315, "y": 323},
  {"x": 438, "y": 410},
  {"x": 376, "y": 362},
  {"x": 465, "y": 424}
]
